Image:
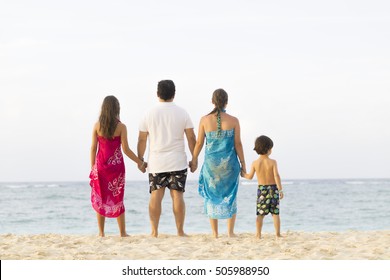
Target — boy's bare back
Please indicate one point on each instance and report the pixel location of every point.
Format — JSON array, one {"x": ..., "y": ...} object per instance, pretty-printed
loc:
[{"x": 264, "y": 169}]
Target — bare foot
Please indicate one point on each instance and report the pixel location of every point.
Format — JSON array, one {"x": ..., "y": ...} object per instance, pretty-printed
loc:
[
  {"x": 215, "y": 235},
  {"x": 101, "y": 235},
  {"x": 125, "y": 235},
  {"x": 181, "y": 233},
  {"x": 258, "y": 236},
  {"x": 232, "y": 235},
  {"x": 154, "y": 234}
]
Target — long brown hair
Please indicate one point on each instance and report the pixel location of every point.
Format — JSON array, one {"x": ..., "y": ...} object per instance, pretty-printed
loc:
[
  {"x": 109, "y": 116},
  {"x": 220, "y": 99}
]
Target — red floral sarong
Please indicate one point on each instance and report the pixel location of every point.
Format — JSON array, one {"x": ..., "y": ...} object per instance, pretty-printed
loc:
[{"x": 108, "y": 178}]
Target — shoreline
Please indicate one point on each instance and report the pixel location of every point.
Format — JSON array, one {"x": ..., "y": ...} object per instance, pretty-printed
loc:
[{"x": 294, "y": 245}]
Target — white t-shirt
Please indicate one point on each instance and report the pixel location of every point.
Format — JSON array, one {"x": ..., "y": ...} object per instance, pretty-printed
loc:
[{"x": 165, "y": 124}]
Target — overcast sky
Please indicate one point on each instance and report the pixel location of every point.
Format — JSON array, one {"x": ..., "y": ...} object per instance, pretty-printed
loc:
[{"x": 312, "y": 75}]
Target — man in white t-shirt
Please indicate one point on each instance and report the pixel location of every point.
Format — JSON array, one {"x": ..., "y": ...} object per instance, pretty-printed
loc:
[{"x": 165, "y": 125}]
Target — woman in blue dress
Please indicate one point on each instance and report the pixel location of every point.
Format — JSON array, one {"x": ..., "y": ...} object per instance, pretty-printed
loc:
[{"x": 219, "y": 176}]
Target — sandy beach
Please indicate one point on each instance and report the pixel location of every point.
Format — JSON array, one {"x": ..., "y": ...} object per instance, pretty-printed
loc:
[{"x": 350, "y": 245}]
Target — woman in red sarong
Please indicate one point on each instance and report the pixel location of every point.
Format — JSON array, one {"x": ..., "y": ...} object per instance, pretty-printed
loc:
[{"x": 108, "y": 168}]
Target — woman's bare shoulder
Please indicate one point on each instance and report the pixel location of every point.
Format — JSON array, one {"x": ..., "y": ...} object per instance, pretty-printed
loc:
[
  {"x": 232, "y": 120},
  {"x": 121, "y": 125},
  {"x": 203, "y": 118},
  {"x": 96, "y": 126},
  {"x": 207, "y": 118},
  {"x": 231, "y": 117}
]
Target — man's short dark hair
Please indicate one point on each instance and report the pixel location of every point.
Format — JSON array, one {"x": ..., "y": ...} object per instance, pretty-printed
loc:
[
  {"x": 166, "y": 89},
  {"x": 263, "y": 144}
]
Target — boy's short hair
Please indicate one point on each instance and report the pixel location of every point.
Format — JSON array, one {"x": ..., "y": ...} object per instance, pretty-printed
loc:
[
  {"x": 263, "y": 144},
  {"x": 166, "y": 89}
]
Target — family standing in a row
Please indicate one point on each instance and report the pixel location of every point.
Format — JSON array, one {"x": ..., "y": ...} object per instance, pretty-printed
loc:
[{"x": 165, "y": 126}]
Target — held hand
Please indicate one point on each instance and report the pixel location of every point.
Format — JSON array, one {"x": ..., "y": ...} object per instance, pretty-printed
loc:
[
  {"x": 142, "y": 167},
  {"x": 193, "y": 164},
  {"x": 145, "y": 166}
]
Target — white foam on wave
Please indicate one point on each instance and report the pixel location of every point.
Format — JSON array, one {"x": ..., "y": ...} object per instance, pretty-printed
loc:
[
  {"x": 248, "y": 183},
  {"x": 354, "y": 182},
  {"x": 288, "y": 183},
  {"x": 14, "y": 186},
  {"x": 24, "y": 186}
]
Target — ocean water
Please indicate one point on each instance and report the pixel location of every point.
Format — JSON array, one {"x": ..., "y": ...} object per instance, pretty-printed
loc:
[{"x": 309, "y": 205}]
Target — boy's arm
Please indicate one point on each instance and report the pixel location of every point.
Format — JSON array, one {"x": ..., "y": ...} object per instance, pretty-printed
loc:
[
  {"x": 238, "y": 145},
  {"x": 249, "y": 175},
  {"x": 277, "y": 180}
]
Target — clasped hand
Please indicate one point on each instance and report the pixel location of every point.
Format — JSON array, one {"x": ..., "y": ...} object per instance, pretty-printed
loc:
[
  {"x": 193, "y": 164},
  {"x": 142, "y": 167}
]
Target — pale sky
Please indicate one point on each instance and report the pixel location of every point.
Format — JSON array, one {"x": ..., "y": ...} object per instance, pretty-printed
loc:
[{"x": 312, "y": 75}]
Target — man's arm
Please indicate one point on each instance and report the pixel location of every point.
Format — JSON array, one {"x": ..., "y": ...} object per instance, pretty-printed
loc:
[
  {"x": 191, "y": 139},
  {"x": 141, "y": 147}
]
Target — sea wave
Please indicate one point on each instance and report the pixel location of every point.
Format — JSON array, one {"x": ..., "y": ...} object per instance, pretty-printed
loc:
[
  {"x": 12, "y": 186},
  {"x": 248, "y": 183},
  {"x": 367, "y": 182},
  {"x": 254, "y": 183},
  {"x": 26, "y": 185}
]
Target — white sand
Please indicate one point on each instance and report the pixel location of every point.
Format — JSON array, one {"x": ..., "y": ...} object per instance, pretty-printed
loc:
[{"x": 351, "y": 245}]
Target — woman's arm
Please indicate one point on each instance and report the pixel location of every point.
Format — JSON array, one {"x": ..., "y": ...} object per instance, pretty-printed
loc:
[
  {"x": 93, "y": 146},
  {"x": 198, "y": 146},
  {"x": 238, "y": 145}
]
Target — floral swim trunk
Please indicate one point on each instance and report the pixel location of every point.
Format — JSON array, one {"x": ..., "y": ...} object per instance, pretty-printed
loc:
[
  {"x": 267, "y": 200},
  {"x": 175, "y": 180}
]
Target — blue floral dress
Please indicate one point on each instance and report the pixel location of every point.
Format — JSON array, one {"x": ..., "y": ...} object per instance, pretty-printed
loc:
[{"x": 219, "y": 176}]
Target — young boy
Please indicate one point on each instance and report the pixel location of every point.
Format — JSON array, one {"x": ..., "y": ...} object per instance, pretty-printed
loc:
[{"x": 270, "y": 188}]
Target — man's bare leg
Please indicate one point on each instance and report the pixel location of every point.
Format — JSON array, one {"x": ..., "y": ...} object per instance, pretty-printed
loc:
[
  {"x": 179, "y": 210},
  {"x": 155, "y": 209}
]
